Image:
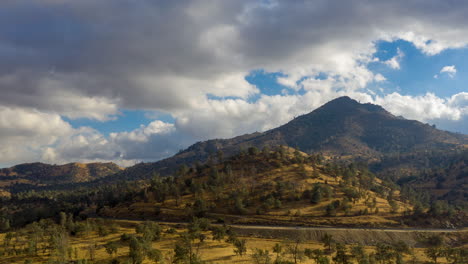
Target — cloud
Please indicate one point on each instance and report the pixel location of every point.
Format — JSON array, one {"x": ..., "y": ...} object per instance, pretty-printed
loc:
[
  {"x": 394, "y": 62},
  {"x": 451, "y": 71},
  {"x": 426, "y": 107},
  {"x": 168, "y": 56},
  {"x": 25, "y": 132},
  {"x": 379, "y": 78},
  {"x": 155, "y": 141},
  {"x": 91, "y": 59}
]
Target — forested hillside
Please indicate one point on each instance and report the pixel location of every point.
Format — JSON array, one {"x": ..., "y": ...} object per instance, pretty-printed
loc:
[{"x": 280, "y": 185}]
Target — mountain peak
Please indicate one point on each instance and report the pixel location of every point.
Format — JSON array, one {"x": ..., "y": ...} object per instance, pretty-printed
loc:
[
  {"x": 342, "y": 127},
  {"x": 341, "y": 100},
  {"x": 348, "y": 105}
]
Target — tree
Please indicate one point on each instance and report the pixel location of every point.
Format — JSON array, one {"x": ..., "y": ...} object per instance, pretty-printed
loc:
[
  {"x": 218, "y": 232},
  {"x": 456, "y": 255},
  {"x": 240, "y": 247},
  {"x": 239, "y": 206},
  {"x": 317, "y": 255},
  {"x": 150, "y": 231},
  {"x": 323, "y": 260},
  {"x": 293, "y": 249},
  {"x": 111, "y": 247},
  {"x": 434, "y": 241},
  {"x": 434, "y": 253},
  {"x": 358, "y": 252},
  {"x": 399, "y": 258},
  {"x": 60, "y": 244},
  {"x": 394, "y": 205},
  {"x": 418, "y": 209},
  {"x": 4, "y": 224},
  {"x": 341, "y": 256},
  {"x": 401, "y": 247},
  {"x": 328, "y": 241},
  {"x": 200, "y": 208},
  {"x": 155, "y": 255},
  {"x": 181, "y": 253},
  {"x": 316, "y": 195},
  {"x": 437, "y": 208},
  {"x": 331, "y": 209},
  {"x": 186, "y": 250},
  {"x": 62, "y": 219},
  {"x": 261, "y": 256},
  {"x": 434, "y": 248},
  {"x": 277, "y": 249},
  {"x": 253, "y": 151},
  {"x": 136, "y": 251},
  {"x": 384, "y": 253}
]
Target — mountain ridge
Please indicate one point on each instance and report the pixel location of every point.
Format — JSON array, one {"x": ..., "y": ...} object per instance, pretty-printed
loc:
[{"x": 342, "y": 128}]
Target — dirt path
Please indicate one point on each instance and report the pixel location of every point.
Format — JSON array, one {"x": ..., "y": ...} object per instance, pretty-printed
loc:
[
  {"x": 348, "y": 235},
  {"x": 305, "y": 228},
  {"x": 310, "y": 228}
]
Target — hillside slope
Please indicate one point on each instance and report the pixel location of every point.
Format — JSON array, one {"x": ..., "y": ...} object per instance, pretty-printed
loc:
[{"x": 280, "y": 186}]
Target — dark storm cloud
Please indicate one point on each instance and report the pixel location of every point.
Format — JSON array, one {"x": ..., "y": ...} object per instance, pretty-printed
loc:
[
  {"x": 133, "y": 52},
  {"x": 103, "y": 48}
]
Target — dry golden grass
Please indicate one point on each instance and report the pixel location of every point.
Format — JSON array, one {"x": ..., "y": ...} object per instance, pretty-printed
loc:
[{"x": 210, "y": 251}]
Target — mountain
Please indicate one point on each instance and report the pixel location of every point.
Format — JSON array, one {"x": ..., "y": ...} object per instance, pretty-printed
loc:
[
  {"x": 40, "y": 174},
  {"x": 341, "y": 128},
  {"x": 346, "y": 127}
]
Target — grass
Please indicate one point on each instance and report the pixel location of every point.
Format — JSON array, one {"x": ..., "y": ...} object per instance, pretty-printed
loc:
[{"x": 210, "y": 251}]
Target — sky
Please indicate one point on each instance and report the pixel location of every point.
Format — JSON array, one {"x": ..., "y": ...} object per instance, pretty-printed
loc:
[{"x": 131, "y": 81}]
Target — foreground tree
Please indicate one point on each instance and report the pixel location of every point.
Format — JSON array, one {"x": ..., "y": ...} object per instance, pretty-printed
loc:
[
  {"x": 240, "y": 247},
  {"x": 434, "y": 248},
  {"x": 136, "y": 251},
  {"x": 111, "y": 248},
  {"x": 187, "y": 247},
  {"x": 261, "y": 256},
  {"x": 383, "y": 253},
  {"x": 293, "y": 248},
  {"x": 328, "y": 242},
  {"x": 456, "y": 255},
  {"x": 341, "y": 256}
]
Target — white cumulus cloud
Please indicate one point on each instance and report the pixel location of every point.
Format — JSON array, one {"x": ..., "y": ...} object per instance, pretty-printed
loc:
[
  {"x": 394, "y": 62},
  {"x": 450, "y": 70}
]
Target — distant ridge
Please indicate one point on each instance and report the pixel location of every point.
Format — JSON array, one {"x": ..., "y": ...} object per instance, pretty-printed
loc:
[{"x": 45, "y": 174}]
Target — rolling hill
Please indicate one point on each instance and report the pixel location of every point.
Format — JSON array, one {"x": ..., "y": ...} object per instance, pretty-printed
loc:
[{"x": 274, "y": 186}]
